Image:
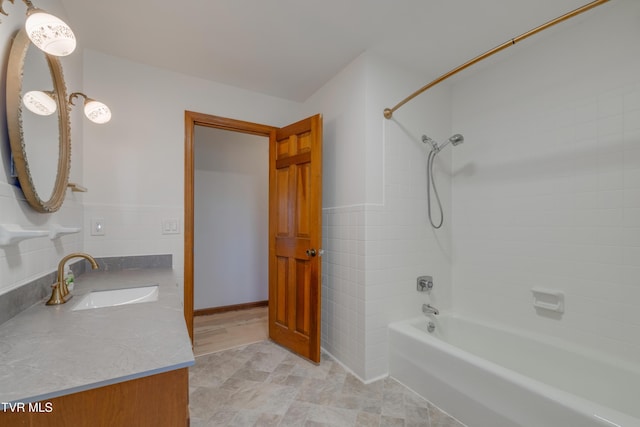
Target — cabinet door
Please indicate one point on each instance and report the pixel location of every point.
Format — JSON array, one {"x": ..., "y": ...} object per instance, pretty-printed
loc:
[{"x": 157, "y": 400}]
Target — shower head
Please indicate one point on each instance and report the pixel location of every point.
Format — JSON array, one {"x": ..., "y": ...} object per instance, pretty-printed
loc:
[{"x": 456, "y": 139}]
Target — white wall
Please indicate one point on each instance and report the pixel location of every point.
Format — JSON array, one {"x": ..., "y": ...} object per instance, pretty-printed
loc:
[
  {"x": 231, "y": 218},
  {"x": 134, "y": 166},
  {"x": 341, "y": 102},
  {"x": 547, "y": 188},
  {"x": 22, "y": 262},
  {"x": 375, "y": 233},
  {"x": 400, "y": 245}
]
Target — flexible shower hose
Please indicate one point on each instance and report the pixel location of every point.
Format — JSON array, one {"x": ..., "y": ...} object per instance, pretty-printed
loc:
[{"x": 431, "y": 183}]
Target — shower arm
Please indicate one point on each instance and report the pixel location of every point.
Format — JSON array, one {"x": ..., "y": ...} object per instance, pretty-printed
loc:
[
  {"x": 455, "y": 140},
  {"x": 388, "y": 112},
  {"x": 434, "y": 144},
  {"x": 440, "y": 147}
]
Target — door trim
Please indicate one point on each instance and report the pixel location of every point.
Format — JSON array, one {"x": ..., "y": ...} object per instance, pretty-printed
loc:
[{"x": 191, "y": 119}]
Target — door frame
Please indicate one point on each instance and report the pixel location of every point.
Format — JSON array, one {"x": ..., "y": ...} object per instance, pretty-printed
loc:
[{"x": 191, "y": 119}]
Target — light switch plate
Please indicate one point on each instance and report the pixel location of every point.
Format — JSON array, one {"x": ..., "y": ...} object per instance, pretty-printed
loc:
[{"x": 170, "y": 226}]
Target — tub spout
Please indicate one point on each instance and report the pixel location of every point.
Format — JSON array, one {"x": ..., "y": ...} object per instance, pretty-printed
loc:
[{"x": 429, "y": 309}]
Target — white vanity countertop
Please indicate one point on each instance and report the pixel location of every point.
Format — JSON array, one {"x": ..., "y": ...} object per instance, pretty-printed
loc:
[{"x": 50, "y": 351}]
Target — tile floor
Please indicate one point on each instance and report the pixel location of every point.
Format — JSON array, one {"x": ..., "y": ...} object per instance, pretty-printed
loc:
[{"x": 262, "y": 384}]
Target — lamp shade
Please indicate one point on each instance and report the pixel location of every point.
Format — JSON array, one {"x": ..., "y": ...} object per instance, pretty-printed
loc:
[
  {"x": 49, "y": 33},
  {"x": 96, "y": 111},
  {"x": 40, "y": 103}
]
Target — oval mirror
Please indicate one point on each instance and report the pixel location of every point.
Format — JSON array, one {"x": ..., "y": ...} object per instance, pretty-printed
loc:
[{"x": 40, "y": 142}]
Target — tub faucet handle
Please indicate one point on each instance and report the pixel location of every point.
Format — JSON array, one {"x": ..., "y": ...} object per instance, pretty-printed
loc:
[{"x": 424, "y": 283}]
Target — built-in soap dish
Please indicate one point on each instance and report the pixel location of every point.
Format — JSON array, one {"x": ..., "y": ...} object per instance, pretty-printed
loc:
[{"x": 548, "y": 299}]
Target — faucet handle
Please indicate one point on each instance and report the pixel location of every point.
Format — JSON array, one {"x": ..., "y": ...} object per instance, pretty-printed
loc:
[
  {"x": 424, "y": 283},
  {"x": 56, "y": 297}
]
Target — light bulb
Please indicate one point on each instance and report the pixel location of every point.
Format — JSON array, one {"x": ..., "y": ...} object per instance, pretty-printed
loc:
[
  {"x": 49, "y": 33},
  {"x": 96, "y": 111},
  {"x": 39, "y": 102}
]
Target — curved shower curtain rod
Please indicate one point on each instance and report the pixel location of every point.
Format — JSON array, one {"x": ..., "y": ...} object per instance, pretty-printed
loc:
[{"x": 388, "y": 112}]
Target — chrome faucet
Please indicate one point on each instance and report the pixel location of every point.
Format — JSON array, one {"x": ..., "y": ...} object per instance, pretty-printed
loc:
[
  {"x": 60, "y": 291},
  {"x": 429, "y": 309}
]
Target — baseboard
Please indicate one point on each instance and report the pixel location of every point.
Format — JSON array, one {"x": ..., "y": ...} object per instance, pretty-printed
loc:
[
  {"x": 214, "y": 310},
  {"x": 351, "y": 371}
]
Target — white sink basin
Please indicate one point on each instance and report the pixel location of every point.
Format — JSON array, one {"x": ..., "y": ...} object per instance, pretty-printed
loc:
[{"x": 99, "y": 299}]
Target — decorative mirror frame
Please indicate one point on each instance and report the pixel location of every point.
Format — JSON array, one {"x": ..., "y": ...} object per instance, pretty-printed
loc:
[{"x": 15, "y": 68}]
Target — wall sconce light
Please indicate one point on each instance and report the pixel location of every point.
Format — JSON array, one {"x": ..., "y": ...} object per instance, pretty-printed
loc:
[
  {"x": 49, "y": 33},
  {"x": 95, "y": 111},
  {"x": 40, "y": 102}
]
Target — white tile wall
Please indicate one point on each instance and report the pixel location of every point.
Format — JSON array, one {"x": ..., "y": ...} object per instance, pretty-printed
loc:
[
  {"x": 550, "y": 193},
  {"x": 30, "y": 259},
  {"x": 401, "y": 245},
  {"x": 565, "y": 218},
  {"x": 343, "y": 281},
  {"x": 374, "y": 253},
  {"x": 546, "y": 192}
]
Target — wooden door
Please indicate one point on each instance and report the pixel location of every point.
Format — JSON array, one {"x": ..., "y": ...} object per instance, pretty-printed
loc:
[{"x": 295, "y": 222}]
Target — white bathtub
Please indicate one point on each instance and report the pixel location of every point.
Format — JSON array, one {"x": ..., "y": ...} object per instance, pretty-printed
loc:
[{"x": 485, "y": 375}]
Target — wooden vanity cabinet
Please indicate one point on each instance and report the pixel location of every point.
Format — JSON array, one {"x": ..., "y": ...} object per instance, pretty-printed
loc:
[{"x": 156, "y": 400}]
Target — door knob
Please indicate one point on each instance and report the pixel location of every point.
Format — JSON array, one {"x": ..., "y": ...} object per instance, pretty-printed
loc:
[{"x": 311, "y": 252}]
